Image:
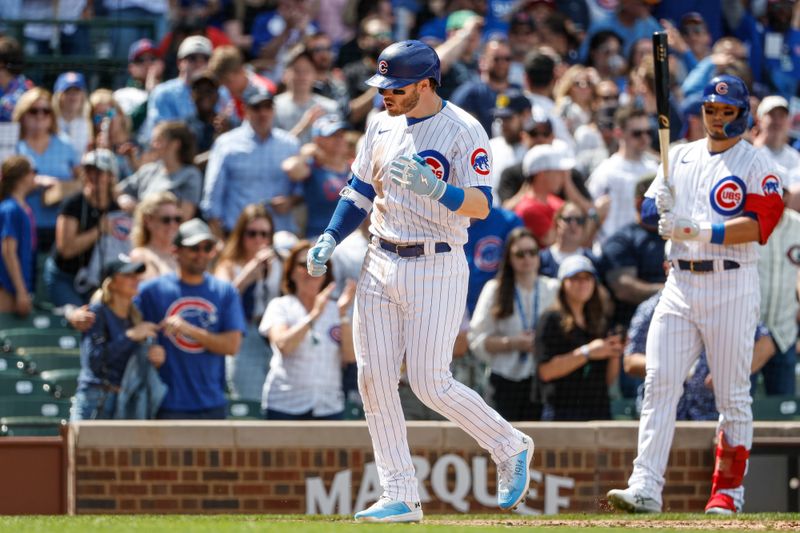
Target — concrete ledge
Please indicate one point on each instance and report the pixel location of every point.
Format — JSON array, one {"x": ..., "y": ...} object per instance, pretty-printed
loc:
[{"x": 441, "y": 435}]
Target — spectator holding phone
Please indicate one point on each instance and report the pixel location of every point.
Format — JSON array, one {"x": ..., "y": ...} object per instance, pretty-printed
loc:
[
  {"x": 577, "y": 357},
  {"x": 17, "y": 228}
]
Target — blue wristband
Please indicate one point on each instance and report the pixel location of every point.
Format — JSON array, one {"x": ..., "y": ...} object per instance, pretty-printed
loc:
[
  {"x": 453, "y": 197},
  {"x": 717, "y": 233}
]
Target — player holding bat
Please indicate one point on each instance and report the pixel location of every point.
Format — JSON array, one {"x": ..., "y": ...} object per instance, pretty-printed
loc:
[{"x": 714, "y": 199}]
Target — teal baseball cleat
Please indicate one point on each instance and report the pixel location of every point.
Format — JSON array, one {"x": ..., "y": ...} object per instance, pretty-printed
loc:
[
  {"x": 388, "y": 510},
  {"x": 513, "y": 477}
]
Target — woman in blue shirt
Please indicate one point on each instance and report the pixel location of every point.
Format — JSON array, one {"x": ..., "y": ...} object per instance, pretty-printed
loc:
[
  {"x": 17, "y": 230},
  {"x": 53, "y": 157},
  {"x": 118, "y": 331}
]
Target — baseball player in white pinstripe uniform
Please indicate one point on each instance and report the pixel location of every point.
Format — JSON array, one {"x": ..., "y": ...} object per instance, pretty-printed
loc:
[
  {"x": 722, "y": 198},
  {"x": 423, "y": 171}
]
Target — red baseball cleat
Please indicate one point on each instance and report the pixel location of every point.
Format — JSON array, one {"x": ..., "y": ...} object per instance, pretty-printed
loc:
[{"x": 720, "y": 504}]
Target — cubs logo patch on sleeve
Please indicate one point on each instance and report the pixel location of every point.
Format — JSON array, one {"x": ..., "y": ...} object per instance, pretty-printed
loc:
[
  {"x": 771, "y": 185},
  {"x": 480, "y": 161},
  {"x": 728, "y": 195}
]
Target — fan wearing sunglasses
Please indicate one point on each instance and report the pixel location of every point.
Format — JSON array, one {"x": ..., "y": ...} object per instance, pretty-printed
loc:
[
  {"x": 573, "y": 235},
  {"x": 250, "y": 262},
  {"x": 201, "y": 323}
]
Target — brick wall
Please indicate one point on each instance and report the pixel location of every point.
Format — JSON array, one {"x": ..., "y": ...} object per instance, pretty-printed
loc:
[{"x": 242, "y": 467}]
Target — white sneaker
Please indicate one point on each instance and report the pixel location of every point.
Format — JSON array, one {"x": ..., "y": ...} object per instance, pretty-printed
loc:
[
  {"x": 514, "y": 478},
  {"x": 388, "y": 510},
  {"x": 632, "y": 501}
]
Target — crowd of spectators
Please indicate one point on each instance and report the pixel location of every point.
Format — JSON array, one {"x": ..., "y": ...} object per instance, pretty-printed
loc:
[{"x": 219, "y": 153}]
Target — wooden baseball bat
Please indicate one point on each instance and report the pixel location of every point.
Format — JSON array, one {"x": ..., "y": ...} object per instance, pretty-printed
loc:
[{"x": 660, "y": 58}]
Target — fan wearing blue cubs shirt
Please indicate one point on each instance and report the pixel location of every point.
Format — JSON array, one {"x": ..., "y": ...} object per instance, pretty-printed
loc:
[
  {"x": 484, "y": 249},
  {"x": 201, "y": 321},
  {"x": 423, "y": 171},
  {"x": 719, "y": 201}
]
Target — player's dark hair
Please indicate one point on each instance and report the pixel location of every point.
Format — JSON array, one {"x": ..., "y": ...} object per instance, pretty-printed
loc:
[
  {"x": 296, "y": 256},
  {"x": 594, "y": 312},
  {"x": 503, "y": 306}
]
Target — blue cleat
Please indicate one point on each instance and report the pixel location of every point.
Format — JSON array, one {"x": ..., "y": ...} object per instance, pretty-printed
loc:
[
  {"x": 513, "y": 477},
  {"x": 388, "y": 510}
]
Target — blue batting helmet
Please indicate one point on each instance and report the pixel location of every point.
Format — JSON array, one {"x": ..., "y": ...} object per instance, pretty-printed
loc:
[
  {"x": 404, "y": 63},
  {"x": 726, "y": 89}
]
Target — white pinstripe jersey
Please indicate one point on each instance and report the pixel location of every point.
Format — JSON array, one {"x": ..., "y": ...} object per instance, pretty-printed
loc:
[
  {"x": 713, "y": 188},
  {"x": 453, "y": 143}
]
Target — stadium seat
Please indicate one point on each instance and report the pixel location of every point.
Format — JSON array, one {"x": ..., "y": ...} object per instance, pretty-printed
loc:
[
  {"x": 16, "y": 385},
  {"x": 776, "y": 408},
  {"x": 61, "y": 382},
  {"x": 36, "y": 320},
  {"x": 13, "y": 363},
  {"x": 31, "y": 426},
  {"x": 49, "y": 359},
  {"x": 624, "y": 409},
  {"x": 27, "y": 338},
  {"x": 34, "y": 406},
  {"x": 244, "y": 410}
]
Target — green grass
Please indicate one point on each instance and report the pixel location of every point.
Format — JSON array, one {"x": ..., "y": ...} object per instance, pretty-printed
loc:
[{"x": 603, "y": 523}]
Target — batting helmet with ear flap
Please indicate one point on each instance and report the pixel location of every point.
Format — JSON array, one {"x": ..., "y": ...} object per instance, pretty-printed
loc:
[
  {"x": 727, "y": 89},
  {"x": 404, "y": 63}
]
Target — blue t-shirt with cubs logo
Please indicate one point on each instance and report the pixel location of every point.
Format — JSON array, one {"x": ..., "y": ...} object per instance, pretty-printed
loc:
[
  {"x": 484, "y": 249},
  {"x": 195, "y": 376},
  {"x": 321, "y": 194}
]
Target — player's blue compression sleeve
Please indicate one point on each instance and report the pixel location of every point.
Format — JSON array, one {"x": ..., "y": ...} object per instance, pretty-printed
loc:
[
  {"x": 487, "y": 191},
  {"x": 649, "y": 212},
  {"x": 354, "y": 205}
]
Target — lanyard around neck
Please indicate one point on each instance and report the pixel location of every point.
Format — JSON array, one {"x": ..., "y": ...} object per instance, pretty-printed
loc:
[{"x": 528, "y": 326}]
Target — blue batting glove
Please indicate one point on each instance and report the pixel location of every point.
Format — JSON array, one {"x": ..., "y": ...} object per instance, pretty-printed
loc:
[
  {"x": 319, "y": 254},
  {"x": 414, "y": 174}
]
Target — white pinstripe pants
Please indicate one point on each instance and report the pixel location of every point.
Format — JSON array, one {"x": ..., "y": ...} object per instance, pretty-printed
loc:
[
  {"x": 715, "y": 310},
  {"x": 412, "y": 308}
]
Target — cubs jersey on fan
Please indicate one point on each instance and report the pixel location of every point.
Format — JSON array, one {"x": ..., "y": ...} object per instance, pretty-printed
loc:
[
  {"x": 453, "y": 144},
  {"x": 196, "y": 377},
  {"x": 714, "y": 188}
]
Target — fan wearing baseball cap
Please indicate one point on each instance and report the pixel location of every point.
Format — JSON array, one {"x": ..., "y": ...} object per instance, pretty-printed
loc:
[
  {"x": 117, "y": 336},
  {"x": 545, "y": 167},
  {"x": 773, "y": 124},
  {"x": 201, "y": 322},
  {"x": 172, "y": 99},
  {"x": 323, "y": 168},
  {"x": 70, "y": 108}
]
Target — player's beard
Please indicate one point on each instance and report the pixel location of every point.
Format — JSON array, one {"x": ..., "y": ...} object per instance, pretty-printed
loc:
[{"x": 404, "y": 106}]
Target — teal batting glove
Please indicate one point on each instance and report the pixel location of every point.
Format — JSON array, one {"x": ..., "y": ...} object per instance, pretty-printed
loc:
[
  {"x": 414, "y": 174},
  {"x": 319, "y": 254}
]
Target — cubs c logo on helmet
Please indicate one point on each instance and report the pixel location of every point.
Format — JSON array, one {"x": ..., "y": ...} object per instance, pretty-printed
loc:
[
  {"x": 721, "y": 88},
  {"x": 438, "y": 163},
  {"x": 487, "y": 253},
  {"x": 383, "y": 67},
  {"x": 728, "y": 195},
  {"x": 197, "y": 311},
  {"x": 480, "y": 162},
  {"x": 771, "y": 185}
]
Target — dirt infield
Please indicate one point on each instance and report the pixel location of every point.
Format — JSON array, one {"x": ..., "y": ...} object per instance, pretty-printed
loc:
[{"x": 708, "y": 524}]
